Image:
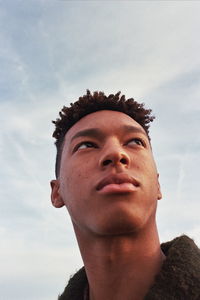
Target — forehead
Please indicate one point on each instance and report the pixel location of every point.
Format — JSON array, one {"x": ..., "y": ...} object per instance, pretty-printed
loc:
[{"x": 105, "y": 120}]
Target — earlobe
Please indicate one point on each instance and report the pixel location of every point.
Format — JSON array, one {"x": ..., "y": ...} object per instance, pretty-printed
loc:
[
  {"x": 55, "y": 194},
  {"x": 159, "y": 189}
]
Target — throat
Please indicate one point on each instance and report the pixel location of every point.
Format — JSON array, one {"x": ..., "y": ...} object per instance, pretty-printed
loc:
[{"x": 131, "y": 277}]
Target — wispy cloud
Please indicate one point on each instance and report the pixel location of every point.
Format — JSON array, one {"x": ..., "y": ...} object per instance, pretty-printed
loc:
[{"x": 50, "y": 54}]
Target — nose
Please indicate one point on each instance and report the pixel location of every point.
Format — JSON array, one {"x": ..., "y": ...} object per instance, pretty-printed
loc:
[{"x": 113, "y": 154}]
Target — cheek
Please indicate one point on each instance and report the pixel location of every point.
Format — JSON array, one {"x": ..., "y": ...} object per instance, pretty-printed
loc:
[
  {"x": 74, "y": 183},
  {"x": 147, "y": 170},
  {"x": 149, "y": 164}
]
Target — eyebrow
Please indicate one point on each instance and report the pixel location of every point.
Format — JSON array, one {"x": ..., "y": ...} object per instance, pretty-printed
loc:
[
  {"x": 96, "y": 132},
  {"x": 91, "y": 132},
  {"x": 134, "y": 129}
]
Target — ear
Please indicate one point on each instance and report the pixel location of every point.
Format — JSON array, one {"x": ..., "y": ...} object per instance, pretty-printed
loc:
[
  {"x": 55, "y": 194},
  {"x": 159, "y": 190}
]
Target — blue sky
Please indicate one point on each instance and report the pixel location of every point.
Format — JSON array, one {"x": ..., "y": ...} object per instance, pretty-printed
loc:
[{"x": 51, "y": 52}]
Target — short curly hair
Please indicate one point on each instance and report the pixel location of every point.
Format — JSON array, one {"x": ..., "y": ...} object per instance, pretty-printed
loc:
[{"x": 92, "y": 102}]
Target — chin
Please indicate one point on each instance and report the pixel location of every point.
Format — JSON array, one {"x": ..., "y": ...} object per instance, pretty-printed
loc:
[{"x": 122, "y": 224}]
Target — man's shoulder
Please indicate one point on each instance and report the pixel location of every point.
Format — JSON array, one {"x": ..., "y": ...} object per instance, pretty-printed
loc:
[
  {"x": 75, "y": 287},
  {"x": 179, "y": 277}
]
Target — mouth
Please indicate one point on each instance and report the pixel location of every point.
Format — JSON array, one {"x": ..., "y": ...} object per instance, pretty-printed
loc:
[{"x": 117, "y": 183}]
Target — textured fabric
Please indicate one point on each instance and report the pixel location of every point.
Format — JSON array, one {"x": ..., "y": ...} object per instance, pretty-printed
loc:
[{"x": 179, "y": 278}]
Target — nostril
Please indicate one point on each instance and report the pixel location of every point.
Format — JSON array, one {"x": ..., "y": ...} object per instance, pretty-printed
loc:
[
  {"x": 107, "y": 162},
  {"x": 123, "y": 161}
]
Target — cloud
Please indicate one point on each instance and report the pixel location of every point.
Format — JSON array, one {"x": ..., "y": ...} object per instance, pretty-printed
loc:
[
  {"x": 50, "y": 55},
  {"x": 33, "y": 270}
]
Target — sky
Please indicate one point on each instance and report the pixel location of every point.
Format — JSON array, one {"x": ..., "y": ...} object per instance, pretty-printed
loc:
[{"x": 50, "y": 53}]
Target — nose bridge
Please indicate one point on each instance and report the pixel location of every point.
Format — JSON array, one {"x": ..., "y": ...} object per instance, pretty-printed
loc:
[{"x": 114, "y": 153}]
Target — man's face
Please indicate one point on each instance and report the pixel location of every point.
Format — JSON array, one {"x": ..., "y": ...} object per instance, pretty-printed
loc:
[{"x": 108, "y": 178}]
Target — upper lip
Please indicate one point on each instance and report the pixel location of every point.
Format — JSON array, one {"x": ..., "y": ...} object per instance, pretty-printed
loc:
[{"x": 117, "y": 179}]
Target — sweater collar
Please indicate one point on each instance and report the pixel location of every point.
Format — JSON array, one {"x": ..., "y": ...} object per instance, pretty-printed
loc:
[{"x": 179, "y": 277}]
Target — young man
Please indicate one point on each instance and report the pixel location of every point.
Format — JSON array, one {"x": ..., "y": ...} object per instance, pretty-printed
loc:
[{"x": 107, "y": 179}]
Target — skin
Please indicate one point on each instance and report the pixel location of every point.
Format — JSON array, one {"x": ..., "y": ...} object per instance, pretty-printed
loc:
[{"x": 115, "y": 228}]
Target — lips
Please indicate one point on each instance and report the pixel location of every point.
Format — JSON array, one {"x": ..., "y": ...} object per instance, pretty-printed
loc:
[{"x": 117, "y": 179}]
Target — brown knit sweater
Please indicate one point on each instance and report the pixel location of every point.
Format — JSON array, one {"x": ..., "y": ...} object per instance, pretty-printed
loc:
[{"x": 179, "y": 278}]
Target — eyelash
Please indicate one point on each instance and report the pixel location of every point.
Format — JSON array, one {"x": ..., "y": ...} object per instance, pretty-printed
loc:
[
  {"x": 138, "y": 141},
  {"x": 141, "y": 142},
  {"x": 84, "y": 143}
]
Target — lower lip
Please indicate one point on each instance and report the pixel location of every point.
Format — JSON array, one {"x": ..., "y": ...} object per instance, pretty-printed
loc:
[{"x": 118, "y": 188}]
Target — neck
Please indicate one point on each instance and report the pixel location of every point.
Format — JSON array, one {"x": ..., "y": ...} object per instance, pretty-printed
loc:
[{"x": 121, "y": 265}]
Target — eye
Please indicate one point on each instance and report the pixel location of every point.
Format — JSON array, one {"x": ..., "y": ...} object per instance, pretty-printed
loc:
[
  {"x": 85, "y": 145},
  {"x": 136, "y": 141}
]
